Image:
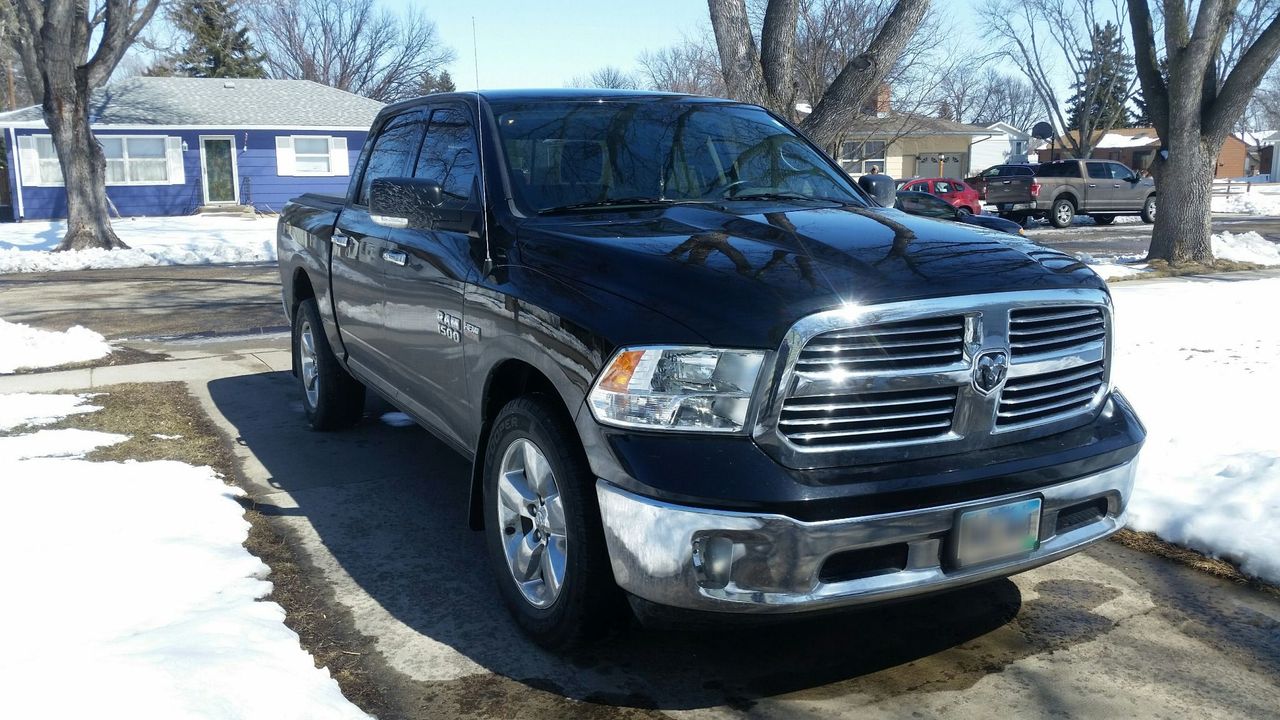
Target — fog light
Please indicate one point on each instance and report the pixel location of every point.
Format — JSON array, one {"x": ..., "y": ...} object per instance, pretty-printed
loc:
[{"x": 713, "y": 561}]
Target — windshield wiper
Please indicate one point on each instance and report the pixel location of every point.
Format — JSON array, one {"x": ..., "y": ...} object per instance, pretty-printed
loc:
[
  {"x": 783, "y": 196},
  {"x": 610, "y": 202}
]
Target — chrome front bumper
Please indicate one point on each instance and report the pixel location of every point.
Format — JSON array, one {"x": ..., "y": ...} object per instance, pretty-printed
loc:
[{"x": 702, "y": 559}]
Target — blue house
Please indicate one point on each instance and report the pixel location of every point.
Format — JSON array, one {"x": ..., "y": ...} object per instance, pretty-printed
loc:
[{"x": 175, "y": 145}]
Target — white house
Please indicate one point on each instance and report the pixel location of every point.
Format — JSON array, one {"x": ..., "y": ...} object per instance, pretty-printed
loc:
[{"x": 1004, "y": 144}]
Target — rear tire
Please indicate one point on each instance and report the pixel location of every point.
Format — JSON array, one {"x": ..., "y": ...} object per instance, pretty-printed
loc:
[
  {"x": 331, "y": 398},
  {"x": 1103, "y": 219},
  {"x": 1063, "y": 212},
  {"x": 542, "y": 527},
  {"x": 963, "y": 211},
  {"x": 1149, "y": 210}
]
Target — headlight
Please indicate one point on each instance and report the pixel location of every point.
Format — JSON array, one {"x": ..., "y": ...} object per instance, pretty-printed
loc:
[{"x": 677, "y": 388}]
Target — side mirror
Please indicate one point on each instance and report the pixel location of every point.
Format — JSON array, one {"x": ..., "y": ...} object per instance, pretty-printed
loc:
[{"x": 404, "y": 202}]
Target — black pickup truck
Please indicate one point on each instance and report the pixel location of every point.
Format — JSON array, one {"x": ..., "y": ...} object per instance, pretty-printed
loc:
[{"x": 695, "y": 367}]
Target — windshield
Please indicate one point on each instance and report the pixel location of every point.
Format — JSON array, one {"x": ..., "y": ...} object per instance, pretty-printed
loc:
[{"x": 579, "y": 154}]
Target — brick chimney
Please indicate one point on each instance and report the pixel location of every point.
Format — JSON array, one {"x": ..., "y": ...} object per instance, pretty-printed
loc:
[{"x": 879, "y": 105}]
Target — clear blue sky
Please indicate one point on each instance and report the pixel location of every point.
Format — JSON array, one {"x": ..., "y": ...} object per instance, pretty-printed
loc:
[{"x": 545, "y": 43}]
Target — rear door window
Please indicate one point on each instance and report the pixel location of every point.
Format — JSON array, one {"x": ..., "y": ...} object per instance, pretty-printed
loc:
[
  {"x": 1099, "y": 170},
  {"x": 942, "y": 186},
  {"x": 392, "y": 152}
]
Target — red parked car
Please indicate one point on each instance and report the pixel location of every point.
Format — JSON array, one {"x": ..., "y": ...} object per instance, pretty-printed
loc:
[{"x": 961, "y": 195}]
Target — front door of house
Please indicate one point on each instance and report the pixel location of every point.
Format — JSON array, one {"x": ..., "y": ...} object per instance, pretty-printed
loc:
[{"x": 218, "y": 168}]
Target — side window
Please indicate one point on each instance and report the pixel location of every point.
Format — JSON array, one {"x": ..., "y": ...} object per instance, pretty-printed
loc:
[
  {"x": 942, "y": 186},
  {"x": 1099, "y": 170},
  {"x": 449, "y": 154},
  {"x": 1119, "y": 171},
  {"x": 392, "y": 152},
  {"x": 992, "y": 172}
]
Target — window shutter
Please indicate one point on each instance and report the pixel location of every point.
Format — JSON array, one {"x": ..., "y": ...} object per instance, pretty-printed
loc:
[
  {"x": 173, "y": 154},
  {"x": 284, "y": 155},
  {"x": 338, "y": 159},
  {"x": 28, "y": 161}
]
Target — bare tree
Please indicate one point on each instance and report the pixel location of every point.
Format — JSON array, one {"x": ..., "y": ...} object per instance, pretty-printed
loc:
[
  {"x": 14, "y": 89},
  {"x": 56, "y": 42},
  {"x": 606, "y": 78},
  {"x": 1013, "y": 101},
  {"x": 1194, "y": 109},
  {"x": 765, "y": 72},
  {"x": 1041, "y": 36},
  {"x": 351, "y": 45},
  {"x": 690, "y": 66}
]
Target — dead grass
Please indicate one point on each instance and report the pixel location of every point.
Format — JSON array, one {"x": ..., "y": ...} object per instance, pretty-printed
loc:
[
  {"x": 144, "y": 410},
  {"x": 1153, "y": 545},
  {"x": 1160, "y": 268}
]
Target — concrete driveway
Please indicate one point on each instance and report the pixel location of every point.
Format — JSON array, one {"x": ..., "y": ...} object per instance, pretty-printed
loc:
[{"x": 379, "y": 513}]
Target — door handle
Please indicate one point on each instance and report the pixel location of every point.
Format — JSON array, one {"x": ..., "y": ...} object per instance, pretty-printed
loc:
[
  {"x": 340, "y": 240},
  {"x": 1093, "y": 185},
  {"x": 1116, "y": 185},
  {"x": 1006, "y": 182},
  {"x": 395, "y": 256}
]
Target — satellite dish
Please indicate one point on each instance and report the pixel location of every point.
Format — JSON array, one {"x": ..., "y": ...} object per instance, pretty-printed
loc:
[{"x": 1042, "y": 131}]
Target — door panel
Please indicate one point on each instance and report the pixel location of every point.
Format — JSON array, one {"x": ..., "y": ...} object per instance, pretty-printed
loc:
[
  {"x": 1101, "y": 191},
  {"x": 1130, "y": 195},
  {"x": 425, "y": 281},
  {"x": 357, "y": 268}
]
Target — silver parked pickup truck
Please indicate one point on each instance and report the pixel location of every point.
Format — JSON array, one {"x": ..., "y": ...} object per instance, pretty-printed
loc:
[{"x": 1060, "y": 190}]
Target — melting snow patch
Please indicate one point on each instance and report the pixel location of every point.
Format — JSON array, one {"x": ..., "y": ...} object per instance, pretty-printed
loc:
[
  {"x": 162, "y": 436},
  {"x": 1204, "y": 375},
  {"x": 1250, "y": 203},
  {"x": 192, "y": 240},
  {"x": 28, "y": 347},
  {"x": 176, "y": 626},
  {"x": 19, "y": 409},
  {"x": 397, "y": 419}
]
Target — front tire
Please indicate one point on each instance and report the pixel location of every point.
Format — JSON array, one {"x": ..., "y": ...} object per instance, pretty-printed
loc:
[
  {"x": 1063, "y": 212},
  {"x": 963, "y": 211},
  {"x": 1149, "y": 210},
  {"x": 331, "y": 398},
  {"x": 542, "y": 526}
]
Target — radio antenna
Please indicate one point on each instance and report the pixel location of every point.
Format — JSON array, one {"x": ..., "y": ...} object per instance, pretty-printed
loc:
[{"x": 484, "y": 180}]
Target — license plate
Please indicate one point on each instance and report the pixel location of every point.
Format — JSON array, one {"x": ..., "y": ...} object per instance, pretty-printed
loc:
[{"x": 997, "y": 532}]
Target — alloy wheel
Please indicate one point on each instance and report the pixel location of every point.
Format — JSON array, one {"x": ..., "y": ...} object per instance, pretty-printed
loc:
[
  {"x": 310, "y": 364},
  {"x": 531, "y": 521}
]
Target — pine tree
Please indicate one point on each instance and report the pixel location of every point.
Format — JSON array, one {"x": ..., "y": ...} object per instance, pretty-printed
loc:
[
  {"x": 218, "y": 44},
  {"x": 1101, "y": 95},
  {"x": 433, "y": 83}
]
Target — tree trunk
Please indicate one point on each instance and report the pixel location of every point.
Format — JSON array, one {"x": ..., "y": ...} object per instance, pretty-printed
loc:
[
  {"x": 84, "y": 169},
  {"x": 1184, "y": 184}
]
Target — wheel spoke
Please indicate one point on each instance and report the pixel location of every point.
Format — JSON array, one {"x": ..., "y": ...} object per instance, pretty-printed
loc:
[
  {"x": 524, "y": 553},
  {"x": 308, "y": 343},
  {"x": 537, "y": 472},
  {"x": 553, "y": 562},
  {"x": 515, "y": 494}
]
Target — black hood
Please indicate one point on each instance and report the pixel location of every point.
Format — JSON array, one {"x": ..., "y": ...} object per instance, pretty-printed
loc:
[{"x": 743, "y": 278}]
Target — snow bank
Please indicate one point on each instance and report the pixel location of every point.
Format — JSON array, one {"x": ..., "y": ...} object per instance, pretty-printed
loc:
[
  {"x": 1245, "y": 247},
  {"x": 190, "y": 240},
  {"x": 1250, "y": 203},
  {"x": 1201, "y": 363},
  {"x": 22, "y": 346},
  {"x": 135, "y": 588}
]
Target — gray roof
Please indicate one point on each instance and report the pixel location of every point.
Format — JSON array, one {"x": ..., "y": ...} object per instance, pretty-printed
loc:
[
  {"x": 910, "y": 124},
  {"x": 179, "y": 101}
]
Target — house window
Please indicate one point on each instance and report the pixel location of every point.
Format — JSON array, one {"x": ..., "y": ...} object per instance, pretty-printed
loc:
[
  {"x": 49, "y": 171},
  {"x": 135, "y": 160},
  {"x": 130, "y": 160},
  {"x": 311, "y": 155},
  {"x": 1019, "y": 147},
  {"x": 859, "y": 157}
]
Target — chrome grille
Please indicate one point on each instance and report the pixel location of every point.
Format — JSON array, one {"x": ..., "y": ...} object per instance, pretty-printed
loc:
[
  {"x": 929, "y": 342},
  {"x": 870, "y": 417},
  {"x": 1039, "y": 397},
  {"x": 1033, "y": 331},
  {"x": 898, "y": 381}
]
